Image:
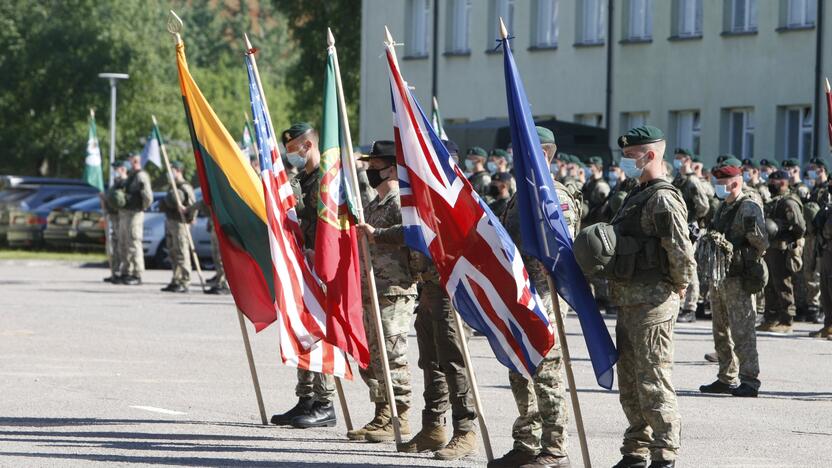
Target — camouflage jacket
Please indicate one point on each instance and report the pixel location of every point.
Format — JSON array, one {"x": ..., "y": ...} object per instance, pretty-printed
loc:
[
  {"x": 480, "y": 181},
  {"x": 109, "y": 197},
  {"x": 305, "y": 188},
  {"x": 498, "y": 206},
  {"x": 595, "y": 193},
  {"x": 391, "y": 257},
  {"x": 743, "y": 224},
  {"x": 787, "y": 212},
  {"x": 186, "y": 196},
  {"x": 696, "y": 197},
  {"x": 139, "y": 192},
  {"x": 762, "y": 189}
]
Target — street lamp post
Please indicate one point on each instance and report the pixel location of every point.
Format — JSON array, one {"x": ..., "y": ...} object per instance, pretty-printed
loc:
[{"x": 113, "y": 77}]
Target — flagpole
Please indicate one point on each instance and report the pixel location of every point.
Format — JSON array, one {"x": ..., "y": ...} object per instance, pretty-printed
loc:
[
  {"x": 364, "y": 245},
  {"x": 175, "y": 27},
  {"x": 108, "y": 236},
  {"x": 829, "y": 112},
  {"x": 253, "y": 140},
  {"x": 564, "y": 346}
]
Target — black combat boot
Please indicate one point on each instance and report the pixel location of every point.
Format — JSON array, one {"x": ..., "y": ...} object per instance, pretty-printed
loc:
[
  {"x": 132, "y": 280},
  {"x": 303, "y": 406},
  {"x": 321, "y": 415},
  {"x": 663, "y": 464},
  {"x": 716, "y": 387},
  {"x": 168, "y": 288},
  {"x": 514, "y": 458},
  {"x": 630, "y": 461},
  {"x": 745, "y": 390}
]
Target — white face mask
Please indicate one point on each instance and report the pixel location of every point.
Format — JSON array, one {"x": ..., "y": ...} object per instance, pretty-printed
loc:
[{"x": 296, "y": 160}]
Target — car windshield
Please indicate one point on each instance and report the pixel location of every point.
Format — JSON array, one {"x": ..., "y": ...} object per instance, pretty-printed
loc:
[
  {"x": 13, "y": 195},
  {"x": 63, "y": 201}
]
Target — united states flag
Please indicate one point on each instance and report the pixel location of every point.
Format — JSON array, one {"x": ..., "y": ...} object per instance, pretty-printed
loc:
[
  {"x": 478, "y": 264},
  {"x": 299, "y": 295}
]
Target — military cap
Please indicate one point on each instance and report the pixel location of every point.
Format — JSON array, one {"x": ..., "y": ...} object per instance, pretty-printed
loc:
[
  {"x": 818, "y": 162},
  {"x": 501, "y": 177},
  {"x": 477, "y": 151},
  {"x": 177, "y": 165},
  {"x": 124, "y": 163},
  {"x": 500, "y": 153},
  {"x": 563, "y": 157},
  {"x": 683, "y": 151},
  {"x": 731, "y": 161},
  {"x": 382, "y": 149},
  {"x": 791, "y": 162},
  {"x": 779, "y": 175},
  {"x": 579, "y": 163},
  {"x": 751, "y": 163},
  {"x": 724, "y": 156},
  {"x": 451, "y": 146},
  {"x": 726, "y": 172},
  {"x": 769, "y": 163},
  {"x": 296, "y": 130},
  {"x": 640, "y": 136},
  {"x": 596, "y": 160},
  {"x": 695, "y": 159},
  {"x": 545, "y": 135}
]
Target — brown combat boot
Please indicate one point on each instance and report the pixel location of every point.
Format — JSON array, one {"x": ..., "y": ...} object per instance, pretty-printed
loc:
[
  {"x": 385, "y": 433},
  {"x": 766, "y": 326},
  {"x": 381, "y": 418},
  {"x": 781, "y": 328},
  {"x": 824, "y": 332},
  {"x": 461, "y": 445},
  {"x": 430, "y": 438}
]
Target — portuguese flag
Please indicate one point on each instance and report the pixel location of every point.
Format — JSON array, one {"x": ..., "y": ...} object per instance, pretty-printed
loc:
[
  {"x": 234, "y": 193},
  {"x": 336, "y": 246}
]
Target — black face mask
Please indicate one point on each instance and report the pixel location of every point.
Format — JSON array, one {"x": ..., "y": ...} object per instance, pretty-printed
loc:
[
  {"x": 374, "y": 177},
  {"x": 493, "y": 191}
]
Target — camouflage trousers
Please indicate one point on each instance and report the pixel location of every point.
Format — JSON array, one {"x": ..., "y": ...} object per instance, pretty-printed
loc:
[
  {"x": 396, "y": 313},
  {"x": 319, "y": 387},
  {"x": 692, "y": 293},
  {"x": 130, "y": 230},
  {"x": 440, "y": 358},
  {"x": 176, "y": 240},
  {"x": 735, "y": 339},
  {"x": 541, "y": 402},
  {"x": 217, "y": 259},
  {"x": 779, "y": 290},
  {"x": 826, "y": 285},
  {"x": 645, "y": 367},
  {"x": 807, "y": 282},
  {"x": 115, "y": 249}
]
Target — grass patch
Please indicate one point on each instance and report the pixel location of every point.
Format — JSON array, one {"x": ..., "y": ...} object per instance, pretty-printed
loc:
[{"x": 85, "y": 257}]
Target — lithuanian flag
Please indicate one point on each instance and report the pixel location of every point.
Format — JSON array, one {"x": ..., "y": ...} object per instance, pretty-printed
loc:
[{"x": 233, "y": 191}]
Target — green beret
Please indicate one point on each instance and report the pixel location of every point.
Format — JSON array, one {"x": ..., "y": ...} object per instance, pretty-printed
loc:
[
  {"x": 779, "y": 175},
  {"x": 499, "y": 153},
  {"x": 580, "y": 163},
  {"x": 563, "y": 157},
  {"x": 574, "y": 159},
  {"x": 545, "y": 135},
  {"x": 640, "y": 136},
  {"x": 683, "y": 151},
  {"x": 177, "y": 165},
  {"x": 791, "y": 163},
  {"x": 817, "y": 162},
  {"x": 596, "y": 160},
  {"x": 477, "y": 151},
  {"x": 296, "y": 130},
  {"x": 722, "y": 157},
  {"x": 750, "y": 163},
  {"x": 769, "y": 163},
  {"x": 731, "y": 161}
]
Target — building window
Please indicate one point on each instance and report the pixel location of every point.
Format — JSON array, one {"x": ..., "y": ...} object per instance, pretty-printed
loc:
[
  {"x": 592, "y": 120},
  {"x": 800, "y": 13},
  {"x": 545, "y": 24},
  {"x": 687, "y": 18},
  {"x": 742, "y": 16},
  {"x": 797, "y": 133},
  {"x": 591, "y": 21},
  {"x": 741, "y": 133},
  {"x": 418, "y": 29},
  {"x": 459, "y": 12},
  {"x": 688, "y": 130},
  {"x": 633, "y": 119},
  {"x": 499, "y": 9},
  {"x": 638, "y": 25}
]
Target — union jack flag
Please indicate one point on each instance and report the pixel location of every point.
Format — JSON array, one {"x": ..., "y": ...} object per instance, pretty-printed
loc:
[
  {"x": 478, "y": 264},
  {"x": 299, "y": 295}
]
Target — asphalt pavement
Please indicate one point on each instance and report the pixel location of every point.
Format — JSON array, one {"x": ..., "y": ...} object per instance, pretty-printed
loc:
[{"x": 95, "y": 374}]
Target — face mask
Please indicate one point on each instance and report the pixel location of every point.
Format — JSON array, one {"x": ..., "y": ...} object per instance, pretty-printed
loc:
[
  {"x": 810, "y": 183},
  {"x": 493, "y": 191},
  {"x": 491, "y": 167},
  {"x": 764, "y": 176},
  {"x": 774, "y": 188},
  {"x": 812, "y": 174},
  {"x": 677, "y": 164},
  {"x": 469, "y": 165},
  {"x": 296, "y": 160},
  {"x": 374, "y": 177},
  {"x": 613, "y": 183},
  {"x": 721, "y": 191},
  {"x": 587, "y": 173},
  {"x": 630, "y": 168},
  {"x": 713, "y": 180},
  {"x": 746, "y": 177},
  {"x": 553, "y": 168}
]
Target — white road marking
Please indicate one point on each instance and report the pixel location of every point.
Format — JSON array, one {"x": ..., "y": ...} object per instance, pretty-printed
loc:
[{"x": 158, "y": 410}]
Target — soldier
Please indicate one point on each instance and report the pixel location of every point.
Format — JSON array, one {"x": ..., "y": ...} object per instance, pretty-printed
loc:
[
  {"x": 178, "y": 220},
  {"x": 314, "y": 390},
  {"x": 475, "y": 165},
  {"x": 595, "y": 192},
  {"x": 785, "y": 226},
  {"x": 796, "y": 184},
  {"x": 539, "y": 432},
  {"x": 752, "y": 179},
  {"x": 810, "y": 307},
  {"x": 698, "y": 204},
  {"x": 823, "y": 226},
  {"x": 131, "y": 222},
  {"x": 497, "y": 161},
  {"x": 768, "y": 167},
  {"x": 655, "y": 215},
  {"x": 739, "y": 222},
  {"x": 500, "y": 192},
  {"x": 396, "y": 289},
  {"x": 113, "y": 200}
]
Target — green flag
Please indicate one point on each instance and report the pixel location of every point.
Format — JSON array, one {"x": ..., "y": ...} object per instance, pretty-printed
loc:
[{"x": 92, "y": 163}]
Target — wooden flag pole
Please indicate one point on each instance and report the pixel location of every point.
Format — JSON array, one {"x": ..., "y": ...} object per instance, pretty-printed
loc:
[
  {"x": 108, "y": 236},
  {"x": 180, "y": 207},
  {"x": 364, "y": 245},
  {"x": 252, "y": 369},
  {"x": 469, "y": 369}
]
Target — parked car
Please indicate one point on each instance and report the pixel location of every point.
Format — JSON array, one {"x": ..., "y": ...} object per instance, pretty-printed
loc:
[
  {"x": 88, "y": 230},
  {"x": 26, "y": 226},
  {"x": 153, "y": 242},
  {"x": 31, "y": 195},
  {"x": 60, "y": 222}
]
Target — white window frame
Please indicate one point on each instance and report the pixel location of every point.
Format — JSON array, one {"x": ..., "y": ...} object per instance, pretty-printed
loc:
[
  {"x": 545, "y": 21},
  {"x": 748, "y": 21},
  {"x": 689, "y": 18},
  {"x": 803, "y": 133},
  {"x": 419, "y": 28},
  {"x": 592, "y": 21},
  {"x": 801, "y": 13},
  {"x": 460, "y": 24},
  {"x": 741, "y": 140},
  {"x": 689, "y": 130},
  {"x": 640, "y": 20}
]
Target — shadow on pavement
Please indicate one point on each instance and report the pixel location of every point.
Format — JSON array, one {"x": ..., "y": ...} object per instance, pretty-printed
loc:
[{"x": 175, "y": 461}]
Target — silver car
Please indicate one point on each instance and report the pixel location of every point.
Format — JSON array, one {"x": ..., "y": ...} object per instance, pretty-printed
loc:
[{"x": 153, "y": 240}]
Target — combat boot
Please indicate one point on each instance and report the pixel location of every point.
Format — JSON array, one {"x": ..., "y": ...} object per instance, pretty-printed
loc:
[
  {"x": 745, "y": 390},
  {"x": 686, "y": 316},
  {"x": 717, "y": 387},
  {"x": 547, "y": 460},
  {"x": 303, "y": 405},
  {"x": 514, "y": 457},
  {"x": 322, "y": 414},
  {"x": 783, "y": 328},
  {"x": 711, "y": 357},
  {"x": 131, "y": 280},
  {"x": 630, "y": 461},
  {"x": 662, "y": 464},
  {"x": 461, "y": 445},
  {"x": 385, "y": 433},
  {"x": 430, "y": 438},
  {"x": 824, "y": 332},
  {"x": 381, "y": 418},
  {"x": 766, "y": 326}
]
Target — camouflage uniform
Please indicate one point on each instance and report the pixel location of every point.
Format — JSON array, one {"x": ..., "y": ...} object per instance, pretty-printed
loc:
[
  {"x": 734, "y": 315},
  {"x": 480, "y": 181},
  {"x": 595, "y": 193},
  {"x": 824, "y": 238},
  {"x": 762, "y": 190},
  {"x": 541, "y": 402},
  {"x": 440, "y": 354},
  {"x": 696, "y": 198},
  {"x": 784, "y": 257},
  {"x": 498, "y": 206},
  {"x": 314, "y": 385},
  {"x": 131, "y": 223},
  {"x": 176, "y": 232},
  {"x": 396, "y": 289},
  {"x": 808, "y": 282},
  {"x": 648, "y": 305},
  {"x": 112, "y": 215}
]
